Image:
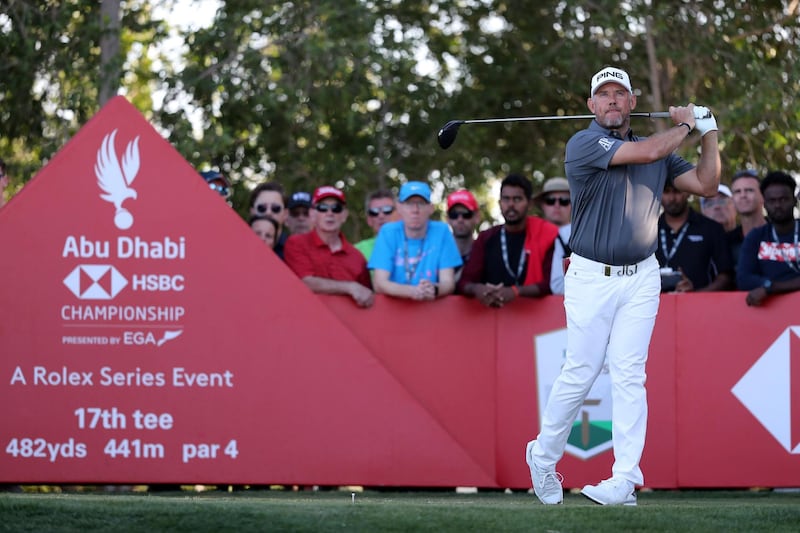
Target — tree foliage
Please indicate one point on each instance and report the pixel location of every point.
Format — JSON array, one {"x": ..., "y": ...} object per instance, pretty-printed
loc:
[
  {"x": 352, "y": 92},
  {"x": 53, "y": 70}
]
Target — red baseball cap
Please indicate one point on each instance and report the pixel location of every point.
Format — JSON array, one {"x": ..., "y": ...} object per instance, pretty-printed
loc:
[
  {"x": 326, "y": 191},
  {"x": 463, "y": 197}
]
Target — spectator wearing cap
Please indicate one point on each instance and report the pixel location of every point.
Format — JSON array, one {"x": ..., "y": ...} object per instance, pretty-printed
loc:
[
  {"x": 217, "y": 182},
  {"x": 749, "y": 204},
  {"x": 3, "y": 182},
  {"x": 693, "y": 245},
  {"x": 266, "y": 228},
  {"x": 463, "y": 215},
  {"x": 381, "y": 208},
  {"x": 513, "y": 259},
  {"x": 268, "y": 198},
  {"x": 720, "y": 207},
  {"x": 770, "y": 258},
  {"x": 323, "y": 258},
  {"x": 415, "y": 257},
  {"x": 556, "y": 206},
  {"x": 298, "y": 220}
]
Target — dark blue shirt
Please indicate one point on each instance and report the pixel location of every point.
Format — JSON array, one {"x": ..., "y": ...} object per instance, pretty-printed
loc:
[{"x": 762, "y": 257}]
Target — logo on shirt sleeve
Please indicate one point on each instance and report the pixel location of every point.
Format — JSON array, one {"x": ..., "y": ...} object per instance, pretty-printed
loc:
[{"x": 606, "y": 143}]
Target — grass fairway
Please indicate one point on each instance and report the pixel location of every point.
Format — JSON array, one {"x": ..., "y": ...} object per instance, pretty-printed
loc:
[{"x": 685, "y": 511}]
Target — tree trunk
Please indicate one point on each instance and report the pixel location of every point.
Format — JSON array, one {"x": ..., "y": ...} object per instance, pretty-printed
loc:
[
  {"x": 655, "y": 79},
  {"x": 109, "y": 50}
]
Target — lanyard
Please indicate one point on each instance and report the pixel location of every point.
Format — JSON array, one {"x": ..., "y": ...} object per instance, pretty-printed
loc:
[
  {"x": 410, "y": 264},
  {"x": 520, "y": 265},
  {"x": 669, "y": 254},
  {"x": 791, "y": 263}
]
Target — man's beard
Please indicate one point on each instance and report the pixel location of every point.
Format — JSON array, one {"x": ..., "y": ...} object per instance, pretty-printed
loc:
[
  {"x": 512, "y": 216},
  {"x": 675, "y": 210},
  {"x": 780, "y": 216},
  {"x": 612, "y": 124}
]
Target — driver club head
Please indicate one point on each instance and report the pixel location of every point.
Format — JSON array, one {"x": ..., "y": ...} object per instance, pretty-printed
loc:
[{"x": 447, "y": 135}]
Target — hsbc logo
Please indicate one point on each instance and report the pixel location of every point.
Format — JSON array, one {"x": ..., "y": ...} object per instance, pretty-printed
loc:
[
  {"x": 770, "y": 390},
  {"x": 95, "y": 282}
]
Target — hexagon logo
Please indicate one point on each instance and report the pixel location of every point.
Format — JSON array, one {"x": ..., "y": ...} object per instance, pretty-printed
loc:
[
  {"x": 770, "y": 390},
  {"x": 95, "y": 282}
]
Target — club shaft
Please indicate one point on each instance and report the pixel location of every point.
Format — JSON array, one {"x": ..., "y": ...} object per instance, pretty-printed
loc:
[{"x": 655, "y": 114}]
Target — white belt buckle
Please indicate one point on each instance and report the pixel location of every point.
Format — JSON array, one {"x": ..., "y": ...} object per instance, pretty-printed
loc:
[{"x": 624, "y": 270}]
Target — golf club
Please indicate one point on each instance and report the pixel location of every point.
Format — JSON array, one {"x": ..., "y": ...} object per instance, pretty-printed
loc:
[{"x": 447, "y": 135}]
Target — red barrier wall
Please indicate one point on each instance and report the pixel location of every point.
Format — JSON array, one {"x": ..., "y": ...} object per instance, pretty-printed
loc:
[
  {"x": 257, "y": 380},
  {"x": 720, "y": 440}
]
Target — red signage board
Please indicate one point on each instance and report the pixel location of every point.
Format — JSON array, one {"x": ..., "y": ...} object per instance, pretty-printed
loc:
[{"x": 146, "y": 335}]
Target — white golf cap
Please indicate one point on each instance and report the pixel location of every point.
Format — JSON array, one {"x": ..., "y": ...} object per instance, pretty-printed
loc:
[
  {"x": 608, "y": 75},
  {"x": 723, "y": 189}
]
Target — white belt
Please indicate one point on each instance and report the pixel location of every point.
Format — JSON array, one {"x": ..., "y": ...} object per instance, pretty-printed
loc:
[{"x": 607, "y": 270}]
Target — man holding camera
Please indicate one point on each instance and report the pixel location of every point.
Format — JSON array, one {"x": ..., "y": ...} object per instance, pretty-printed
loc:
[{"x": 693, "y": 250}]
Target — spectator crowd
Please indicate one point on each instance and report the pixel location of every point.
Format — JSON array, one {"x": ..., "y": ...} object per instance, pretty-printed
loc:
[{"x": 411, "y": 255}]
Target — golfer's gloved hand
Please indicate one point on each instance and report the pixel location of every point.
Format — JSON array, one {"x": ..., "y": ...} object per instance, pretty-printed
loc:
[{"x": 704, "y": 120}]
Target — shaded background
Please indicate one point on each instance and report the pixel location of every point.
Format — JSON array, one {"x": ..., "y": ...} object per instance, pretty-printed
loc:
[{"x": 352, "y": 92}]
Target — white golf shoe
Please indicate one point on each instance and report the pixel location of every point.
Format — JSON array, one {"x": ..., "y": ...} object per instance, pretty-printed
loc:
[
  {"x": 546, "y": 481},
  {"x": 613, "y": 491}
]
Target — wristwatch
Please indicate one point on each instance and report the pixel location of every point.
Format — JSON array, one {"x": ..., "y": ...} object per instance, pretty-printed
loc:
[{"x": 767, "y": 286}]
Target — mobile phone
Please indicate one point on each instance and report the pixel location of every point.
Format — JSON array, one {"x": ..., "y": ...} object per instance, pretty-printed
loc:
[{"x": 669, "y": 279}]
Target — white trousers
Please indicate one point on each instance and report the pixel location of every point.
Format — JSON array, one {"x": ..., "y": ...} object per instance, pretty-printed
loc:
[{"x": 611, "y": 312}]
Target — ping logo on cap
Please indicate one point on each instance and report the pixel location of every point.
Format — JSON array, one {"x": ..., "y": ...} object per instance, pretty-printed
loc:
[{"x": 608, "y": 75}]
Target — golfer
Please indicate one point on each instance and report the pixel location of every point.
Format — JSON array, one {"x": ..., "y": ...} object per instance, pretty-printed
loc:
[{"x": 612, "y": 285}]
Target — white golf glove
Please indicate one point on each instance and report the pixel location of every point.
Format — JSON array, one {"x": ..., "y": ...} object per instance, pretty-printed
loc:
[{"x": 704, "y": 120}]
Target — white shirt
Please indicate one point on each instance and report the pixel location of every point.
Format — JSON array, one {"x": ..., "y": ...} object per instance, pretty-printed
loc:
[{"x": 557, "y": 270}]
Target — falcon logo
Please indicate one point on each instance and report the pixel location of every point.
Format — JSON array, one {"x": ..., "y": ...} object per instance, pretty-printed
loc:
[
  {"x": 770, "y": 390},
  {"x": 95, "y": 282},
  {"x": 606, "y": 143},
  {"x": 115, "y": 179}
]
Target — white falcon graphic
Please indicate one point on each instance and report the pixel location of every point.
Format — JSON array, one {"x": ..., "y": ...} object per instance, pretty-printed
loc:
[{"x": 115, "y": 180}]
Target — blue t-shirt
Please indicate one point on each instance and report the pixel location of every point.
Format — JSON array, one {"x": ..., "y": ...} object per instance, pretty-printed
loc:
[{"x": 409, "y": 261}]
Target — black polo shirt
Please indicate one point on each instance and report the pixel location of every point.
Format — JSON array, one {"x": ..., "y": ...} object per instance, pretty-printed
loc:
[{"x": 702, "y": 252}]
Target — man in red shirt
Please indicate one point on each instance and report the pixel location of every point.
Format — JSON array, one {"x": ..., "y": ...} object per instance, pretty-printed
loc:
[
  {"x": 513, "y": 259},
  {"x": 323, "y": 258}
]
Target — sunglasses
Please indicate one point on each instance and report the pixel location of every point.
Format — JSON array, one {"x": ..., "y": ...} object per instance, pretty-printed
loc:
[
  {"x": 749, "y": 173},
  {"x": 275, "y": 208},
  {"x": 712, "y": 202},
  {"x": 375, "y": 211},
  {"x": 563, "y": 202},
  {"x": 221, "y": 189},
  {"x": 454, "y": 215},
  {"x": 333, "y": 208}
]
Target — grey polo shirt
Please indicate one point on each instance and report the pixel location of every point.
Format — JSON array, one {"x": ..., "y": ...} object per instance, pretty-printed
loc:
[{"x": 615, "y": 209}]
